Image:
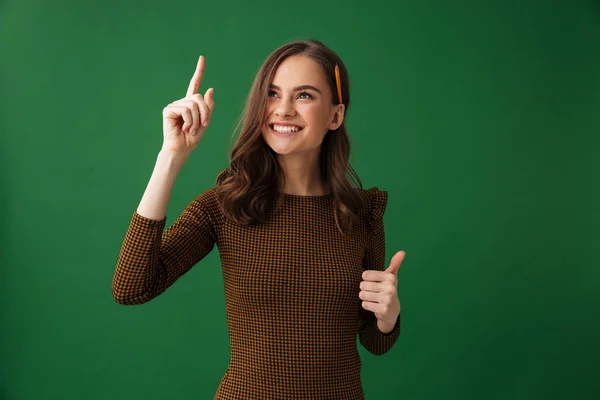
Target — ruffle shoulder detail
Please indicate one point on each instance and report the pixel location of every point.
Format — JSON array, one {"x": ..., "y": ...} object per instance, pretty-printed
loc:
[
  {"x": 376, "y": 202},
  {"x": 222, "y": 175}
]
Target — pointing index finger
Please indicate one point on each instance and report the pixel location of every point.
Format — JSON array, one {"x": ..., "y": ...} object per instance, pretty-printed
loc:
[{"x": 197, "y": 78}]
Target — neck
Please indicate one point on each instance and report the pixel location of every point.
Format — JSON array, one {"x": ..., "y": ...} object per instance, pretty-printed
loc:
[{"x": 302, "y": 176}]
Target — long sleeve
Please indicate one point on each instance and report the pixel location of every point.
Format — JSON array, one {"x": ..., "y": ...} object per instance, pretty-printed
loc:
[
  {"x": 151, "y": 260},
  {"x": 370, "y": 336}
]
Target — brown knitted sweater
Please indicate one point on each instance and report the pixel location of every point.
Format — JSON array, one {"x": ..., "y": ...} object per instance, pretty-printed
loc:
[{"x": 291, "y": 290}]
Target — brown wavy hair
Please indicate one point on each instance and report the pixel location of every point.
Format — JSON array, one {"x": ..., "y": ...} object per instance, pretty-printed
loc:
[{"x": 249, "y": 189}]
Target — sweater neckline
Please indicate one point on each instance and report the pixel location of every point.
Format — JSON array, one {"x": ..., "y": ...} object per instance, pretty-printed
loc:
[{"x": 304, "y": 196}]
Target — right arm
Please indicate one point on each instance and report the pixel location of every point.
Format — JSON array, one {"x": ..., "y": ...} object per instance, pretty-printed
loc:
[
  {"x": 151, "y": 260},
  {"x": 158, "y": 192}
]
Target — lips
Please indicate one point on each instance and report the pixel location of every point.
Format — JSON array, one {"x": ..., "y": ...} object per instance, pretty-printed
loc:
[{"x": 285, "y": 129}]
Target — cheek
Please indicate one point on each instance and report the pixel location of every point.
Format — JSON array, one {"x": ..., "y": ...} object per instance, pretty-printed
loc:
[
  {"x": 315, "y": 114},
  {"x": 269, "y": 110}
]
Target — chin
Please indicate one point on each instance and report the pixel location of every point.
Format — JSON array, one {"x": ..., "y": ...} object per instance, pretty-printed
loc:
[
  {"x": 280, "y": 150},
  {"x": 279, "y": 145}
]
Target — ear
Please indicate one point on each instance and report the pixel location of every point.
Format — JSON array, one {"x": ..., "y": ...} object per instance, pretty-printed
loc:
[{"x": 338, "y": 117}]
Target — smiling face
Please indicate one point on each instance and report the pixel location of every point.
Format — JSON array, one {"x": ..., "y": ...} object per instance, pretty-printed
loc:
[{"x": 299, "y": 108}]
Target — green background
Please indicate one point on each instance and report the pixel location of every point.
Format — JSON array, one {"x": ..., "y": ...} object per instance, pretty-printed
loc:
[{"x": 481, "y": 119}]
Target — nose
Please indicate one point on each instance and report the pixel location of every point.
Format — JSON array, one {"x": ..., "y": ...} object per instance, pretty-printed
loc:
[{"x": 285, "y": 109}]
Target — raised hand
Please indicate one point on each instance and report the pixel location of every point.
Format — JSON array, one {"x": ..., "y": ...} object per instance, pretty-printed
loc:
[
  {"x": 186, "y": 120},
  {"x": 379, "y": 292}
]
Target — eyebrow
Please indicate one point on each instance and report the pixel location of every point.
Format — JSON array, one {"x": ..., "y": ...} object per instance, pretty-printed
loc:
[{"x": 297, "y": 88}]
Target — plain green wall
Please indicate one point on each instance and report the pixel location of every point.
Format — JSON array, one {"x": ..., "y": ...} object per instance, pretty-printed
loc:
[{"x": 480, "y": 118}]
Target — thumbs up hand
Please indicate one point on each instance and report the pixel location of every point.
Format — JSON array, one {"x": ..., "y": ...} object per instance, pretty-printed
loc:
[{"x": 379, "y": 293}]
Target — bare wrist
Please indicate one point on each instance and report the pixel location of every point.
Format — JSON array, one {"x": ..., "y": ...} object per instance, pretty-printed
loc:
[
  {"x": 170, "y": 160},
  {"x": 386, "y": 326}
]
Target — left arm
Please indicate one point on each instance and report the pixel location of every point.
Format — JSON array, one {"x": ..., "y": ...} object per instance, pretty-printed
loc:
[{"x": 379, "y": 326}]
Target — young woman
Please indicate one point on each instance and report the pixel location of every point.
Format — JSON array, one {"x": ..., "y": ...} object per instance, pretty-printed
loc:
[{"x": 302, "y": 248}]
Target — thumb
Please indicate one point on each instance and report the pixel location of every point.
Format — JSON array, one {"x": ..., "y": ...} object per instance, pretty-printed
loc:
[{"x": 396, "y": 262}]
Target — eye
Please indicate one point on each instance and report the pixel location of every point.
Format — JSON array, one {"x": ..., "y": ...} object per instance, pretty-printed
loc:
[
  {"x": 271, "y": 93},
  {"x": 308, "y": 95}
]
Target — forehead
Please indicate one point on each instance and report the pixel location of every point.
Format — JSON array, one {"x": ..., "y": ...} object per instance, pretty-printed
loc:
[{"x": 299, "y": 70}]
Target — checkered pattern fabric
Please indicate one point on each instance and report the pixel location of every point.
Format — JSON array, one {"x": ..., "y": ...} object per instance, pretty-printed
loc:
[{"x": 291, "y": 290}]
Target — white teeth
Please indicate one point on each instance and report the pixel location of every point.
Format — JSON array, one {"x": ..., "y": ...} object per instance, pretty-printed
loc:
[{"x": 285, "y": 129}]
